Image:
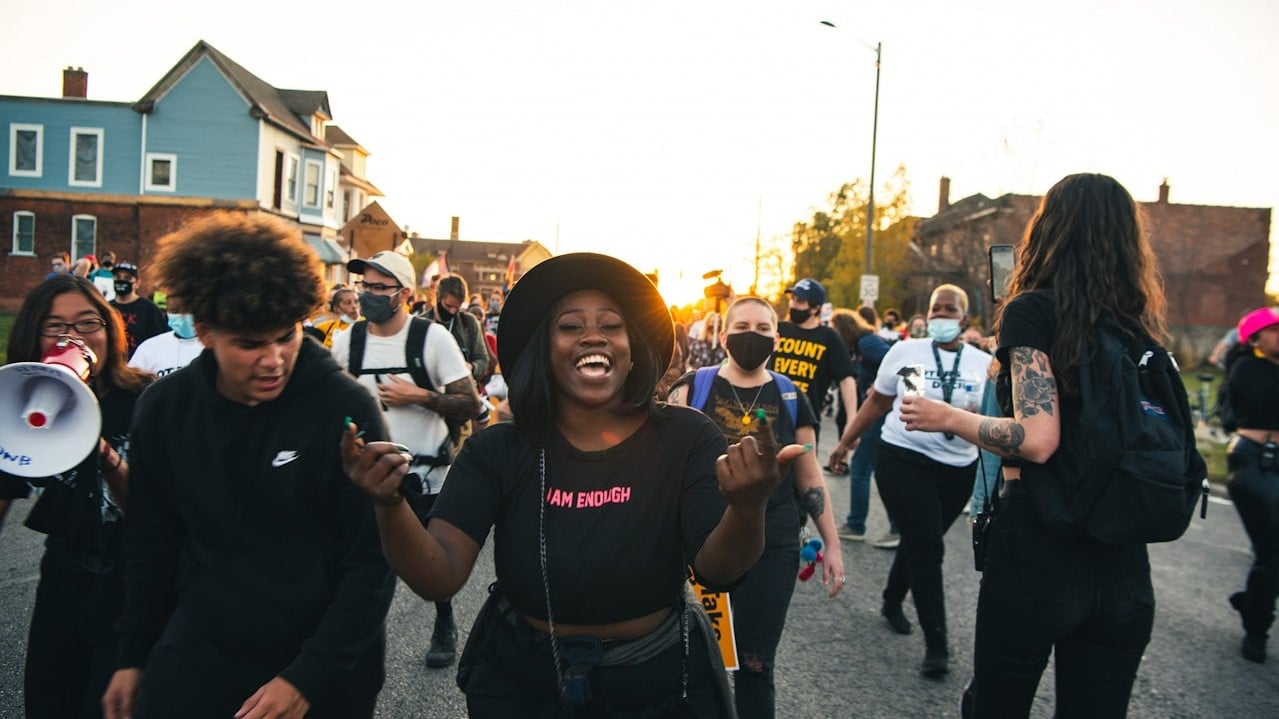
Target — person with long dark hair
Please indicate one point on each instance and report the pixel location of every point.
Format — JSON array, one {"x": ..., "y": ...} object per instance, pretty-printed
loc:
[
  {"x": 1253, "y": 385},
  {"x": 599, "y": 499},
  {"x": 1084, "y": 259},
  {"x": 71, "y": 645}
]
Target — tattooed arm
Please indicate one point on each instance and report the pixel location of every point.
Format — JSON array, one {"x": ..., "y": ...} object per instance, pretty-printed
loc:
[{"x": 1031, "y": 433}]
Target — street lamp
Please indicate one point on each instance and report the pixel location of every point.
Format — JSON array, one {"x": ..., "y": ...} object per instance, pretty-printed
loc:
[{"x": 874, "y": 134}]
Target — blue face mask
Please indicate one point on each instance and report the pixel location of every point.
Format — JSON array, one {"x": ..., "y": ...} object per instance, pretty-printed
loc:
[
  {"x": 943, "y": 330},
  {"x": 183, "y": 325}
]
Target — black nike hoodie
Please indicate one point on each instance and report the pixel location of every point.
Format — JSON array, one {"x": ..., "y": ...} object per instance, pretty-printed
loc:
[{"x": 241, "y": 522}]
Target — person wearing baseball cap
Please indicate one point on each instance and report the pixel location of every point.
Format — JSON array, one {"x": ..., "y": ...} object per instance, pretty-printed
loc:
[
  {"x": 423, "y": 411},
  {"x": 812, "y": 354},
  {"x": 1253, "y": 387},
  {"x": 142, "y": 318}
]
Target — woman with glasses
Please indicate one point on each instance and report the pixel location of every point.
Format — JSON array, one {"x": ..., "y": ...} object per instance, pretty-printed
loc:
[{"x": 70, "y": 647}]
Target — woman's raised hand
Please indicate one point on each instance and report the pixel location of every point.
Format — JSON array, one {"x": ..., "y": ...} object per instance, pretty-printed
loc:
[
  {"x": 751, "y": 469},
  {"x": 375, "y": 467}
]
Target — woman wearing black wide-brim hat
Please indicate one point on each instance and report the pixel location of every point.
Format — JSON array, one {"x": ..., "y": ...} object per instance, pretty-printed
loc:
[{"x": 598, "y": 498}]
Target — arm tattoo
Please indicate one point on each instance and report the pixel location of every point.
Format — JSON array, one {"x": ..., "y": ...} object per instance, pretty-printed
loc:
[
  {"x": 1034, "y": 388},
  {"x": 814, "y": 501},
  {"x": 1002, "y": 435},
  {"x": 458, "y": 400}
]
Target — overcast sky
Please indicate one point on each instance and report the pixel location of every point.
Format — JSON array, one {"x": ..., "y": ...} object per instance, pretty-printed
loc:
[{"x": 666, "y": 132}]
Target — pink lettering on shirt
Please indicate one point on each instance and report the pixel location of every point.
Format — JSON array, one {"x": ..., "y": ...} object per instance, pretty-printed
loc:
[{"x": 601, "y": 497}]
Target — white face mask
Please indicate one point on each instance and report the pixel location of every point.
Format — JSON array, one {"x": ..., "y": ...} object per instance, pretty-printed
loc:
[
  {"x": 943, "y": 330},
  {"x": 347, "y": 319}
]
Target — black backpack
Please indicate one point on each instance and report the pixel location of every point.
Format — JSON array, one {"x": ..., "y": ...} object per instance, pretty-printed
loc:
[
  {"x": 413, "y": 363},
  {"x": 1126, "y": 470}
]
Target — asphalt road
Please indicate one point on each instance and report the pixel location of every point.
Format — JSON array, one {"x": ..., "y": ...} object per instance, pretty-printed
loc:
[{"x": 838, "y": 657}]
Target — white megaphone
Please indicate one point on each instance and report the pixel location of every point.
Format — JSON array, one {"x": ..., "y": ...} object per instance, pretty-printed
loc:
[{"x": 49, "y": 417}]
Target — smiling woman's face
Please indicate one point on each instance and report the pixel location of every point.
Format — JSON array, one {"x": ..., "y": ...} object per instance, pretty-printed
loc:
[{"x": 590, "y": 350}]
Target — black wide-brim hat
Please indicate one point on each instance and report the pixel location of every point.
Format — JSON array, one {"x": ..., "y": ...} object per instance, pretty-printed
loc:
[{"x": 547, "y": 282}]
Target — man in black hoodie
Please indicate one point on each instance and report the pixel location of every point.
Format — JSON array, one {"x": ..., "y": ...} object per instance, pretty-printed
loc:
[{"x": 255, "y": 583}]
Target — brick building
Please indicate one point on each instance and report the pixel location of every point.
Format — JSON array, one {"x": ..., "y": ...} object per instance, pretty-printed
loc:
[{"x": 1214, "y": 259}]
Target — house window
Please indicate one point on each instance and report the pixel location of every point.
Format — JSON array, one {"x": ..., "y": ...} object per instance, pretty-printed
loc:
[
  {"x": 24, "y": 233},
  {"x": 84, "y": 236},
  {"x": 330, "y": 189},
  {"x": 346, "y": 205},
  {"x": 162, "y": 172},
  {"x": 291, "y": 186},
  {"x": 26, "y": 150},
  {"x": 312, "y": 196},
  {"x": 86, "y": 157}
]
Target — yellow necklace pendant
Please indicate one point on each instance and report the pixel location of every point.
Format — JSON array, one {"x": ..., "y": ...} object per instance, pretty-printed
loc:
[{"x": 746, "y": 418}]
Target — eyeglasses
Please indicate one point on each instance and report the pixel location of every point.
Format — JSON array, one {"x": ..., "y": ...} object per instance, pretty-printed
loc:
[
  {"x": 377, "y": 287},
  {"x": 83, "y": 327}
]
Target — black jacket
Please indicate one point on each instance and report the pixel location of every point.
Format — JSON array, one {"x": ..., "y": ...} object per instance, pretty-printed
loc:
[{"x": 241, "y": 519}]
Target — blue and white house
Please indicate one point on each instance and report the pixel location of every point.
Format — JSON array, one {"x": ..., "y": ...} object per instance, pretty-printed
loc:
[{"x": 84, "y": 176}]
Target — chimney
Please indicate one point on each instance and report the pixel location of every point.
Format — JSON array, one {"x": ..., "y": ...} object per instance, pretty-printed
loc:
[
  {"x": 943, "y": 194},
  {"x": 1163, "y": 192},
  {"x": 75, "y": 82},
  {"x": 453, "y": 231}
]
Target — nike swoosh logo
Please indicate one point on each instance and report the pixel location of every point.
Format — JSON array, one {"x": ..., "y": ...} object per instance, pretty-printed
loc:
[{"x": 284, "y": 457}]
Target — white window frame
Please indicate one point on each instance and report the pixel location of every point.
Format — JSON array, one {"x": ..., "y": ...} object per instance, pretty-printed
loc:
[
  {"x": 75, "y": 239},
  {"x": 14, "y": 129},
  {"x": 173, "y": 172},
  {"x": 16, "y": 250},
  {"x": 331, "y": 188},
  {"x": 97, "y": 181},
  {"x": 293, "y": 171},
  {"x": 306, "y": 183}
]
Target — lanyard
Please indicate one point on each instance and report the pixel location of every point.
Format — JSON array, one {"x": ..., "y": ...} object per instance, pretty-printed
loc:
[{"x": 948, "y": 381}]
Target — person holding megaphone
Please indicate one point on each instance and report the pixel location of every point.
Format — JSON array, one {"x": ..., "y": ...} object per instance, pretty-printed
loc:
[{"x": 75, "y": 451}]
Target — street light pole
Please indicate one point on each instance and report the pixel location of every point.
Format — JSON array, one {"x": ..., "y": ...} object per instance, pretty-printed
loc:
[{"x": 874, "y": 136}]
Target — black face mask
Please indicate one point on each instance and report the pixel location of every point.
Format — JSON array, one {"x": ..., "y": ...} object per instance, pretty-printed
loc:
[
  {"x": 749, "y": 349},
  {"x": 123, "y": 287},
  {"x": 442, "y": 313},
  {"x": 799, "y": 317},
  {"x": 377, "y": 308}
]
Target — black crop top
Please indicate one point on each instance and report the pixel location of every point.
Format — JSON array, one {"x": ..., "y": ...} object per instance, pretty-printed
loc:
[{"x": 1254, "y": 393}]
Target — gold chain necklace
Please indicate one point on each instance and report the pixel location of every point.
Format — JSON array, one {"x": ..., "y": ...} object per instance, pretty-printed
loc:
[{"x": 746, "y": 413}]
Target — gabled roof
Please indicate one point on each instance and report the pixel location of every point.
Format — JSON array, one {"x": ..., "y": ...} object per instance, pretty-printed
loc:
[
  {"x": 337, "y": 137},
  {"x": 472, "y": 251},
  {"x": 266, "y": 102}
]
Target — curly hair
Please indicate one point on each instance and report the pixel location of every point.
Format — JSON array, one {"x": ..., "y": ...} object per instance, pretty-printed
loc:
[
  {"x": 248, "y": 272},
  {"x": 24, "y": 337},
  {"x": 1087, "y": 245}
]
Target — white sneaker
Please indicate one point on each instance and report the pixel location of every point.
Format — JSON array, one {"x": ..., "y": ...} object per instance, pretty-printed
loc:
[
  {"x": 888, "y": 541},
  {"x": 847, "y": 532}
]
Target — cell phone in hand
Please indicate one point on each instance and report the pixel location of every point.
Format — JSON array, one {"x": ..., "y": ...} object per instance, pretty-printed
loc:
[{"x": 1002, "y": 261}]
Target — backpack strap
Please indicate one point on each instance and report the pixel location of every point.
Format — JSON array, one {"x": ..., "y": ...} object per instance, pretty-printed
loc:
[
  {"x": 355, "y": 360},
  {"x": 702, "y": 382},
  {"x": 790, "y": 397},
  {"x": 413, "y": 350}
]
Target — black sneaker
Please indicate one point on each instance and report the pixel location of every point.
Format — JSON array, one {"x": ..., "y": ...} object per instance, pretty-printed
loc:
[
  {"x": 896, "y": 618},
  {"x": 1254, "y": 648},
  {"x": 936, "y": 663},
  {"x": 443, "y": 649}
]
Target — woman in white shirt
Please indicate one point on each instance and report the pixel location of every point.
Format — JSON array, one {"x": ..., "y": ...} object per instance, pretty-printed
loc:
[{"x": 924, "y": 478}]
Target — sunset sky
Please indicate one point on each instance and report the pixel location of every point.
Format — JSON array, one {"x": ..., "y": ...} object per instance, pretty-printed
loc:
[{"x": 667, "y": 132}]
